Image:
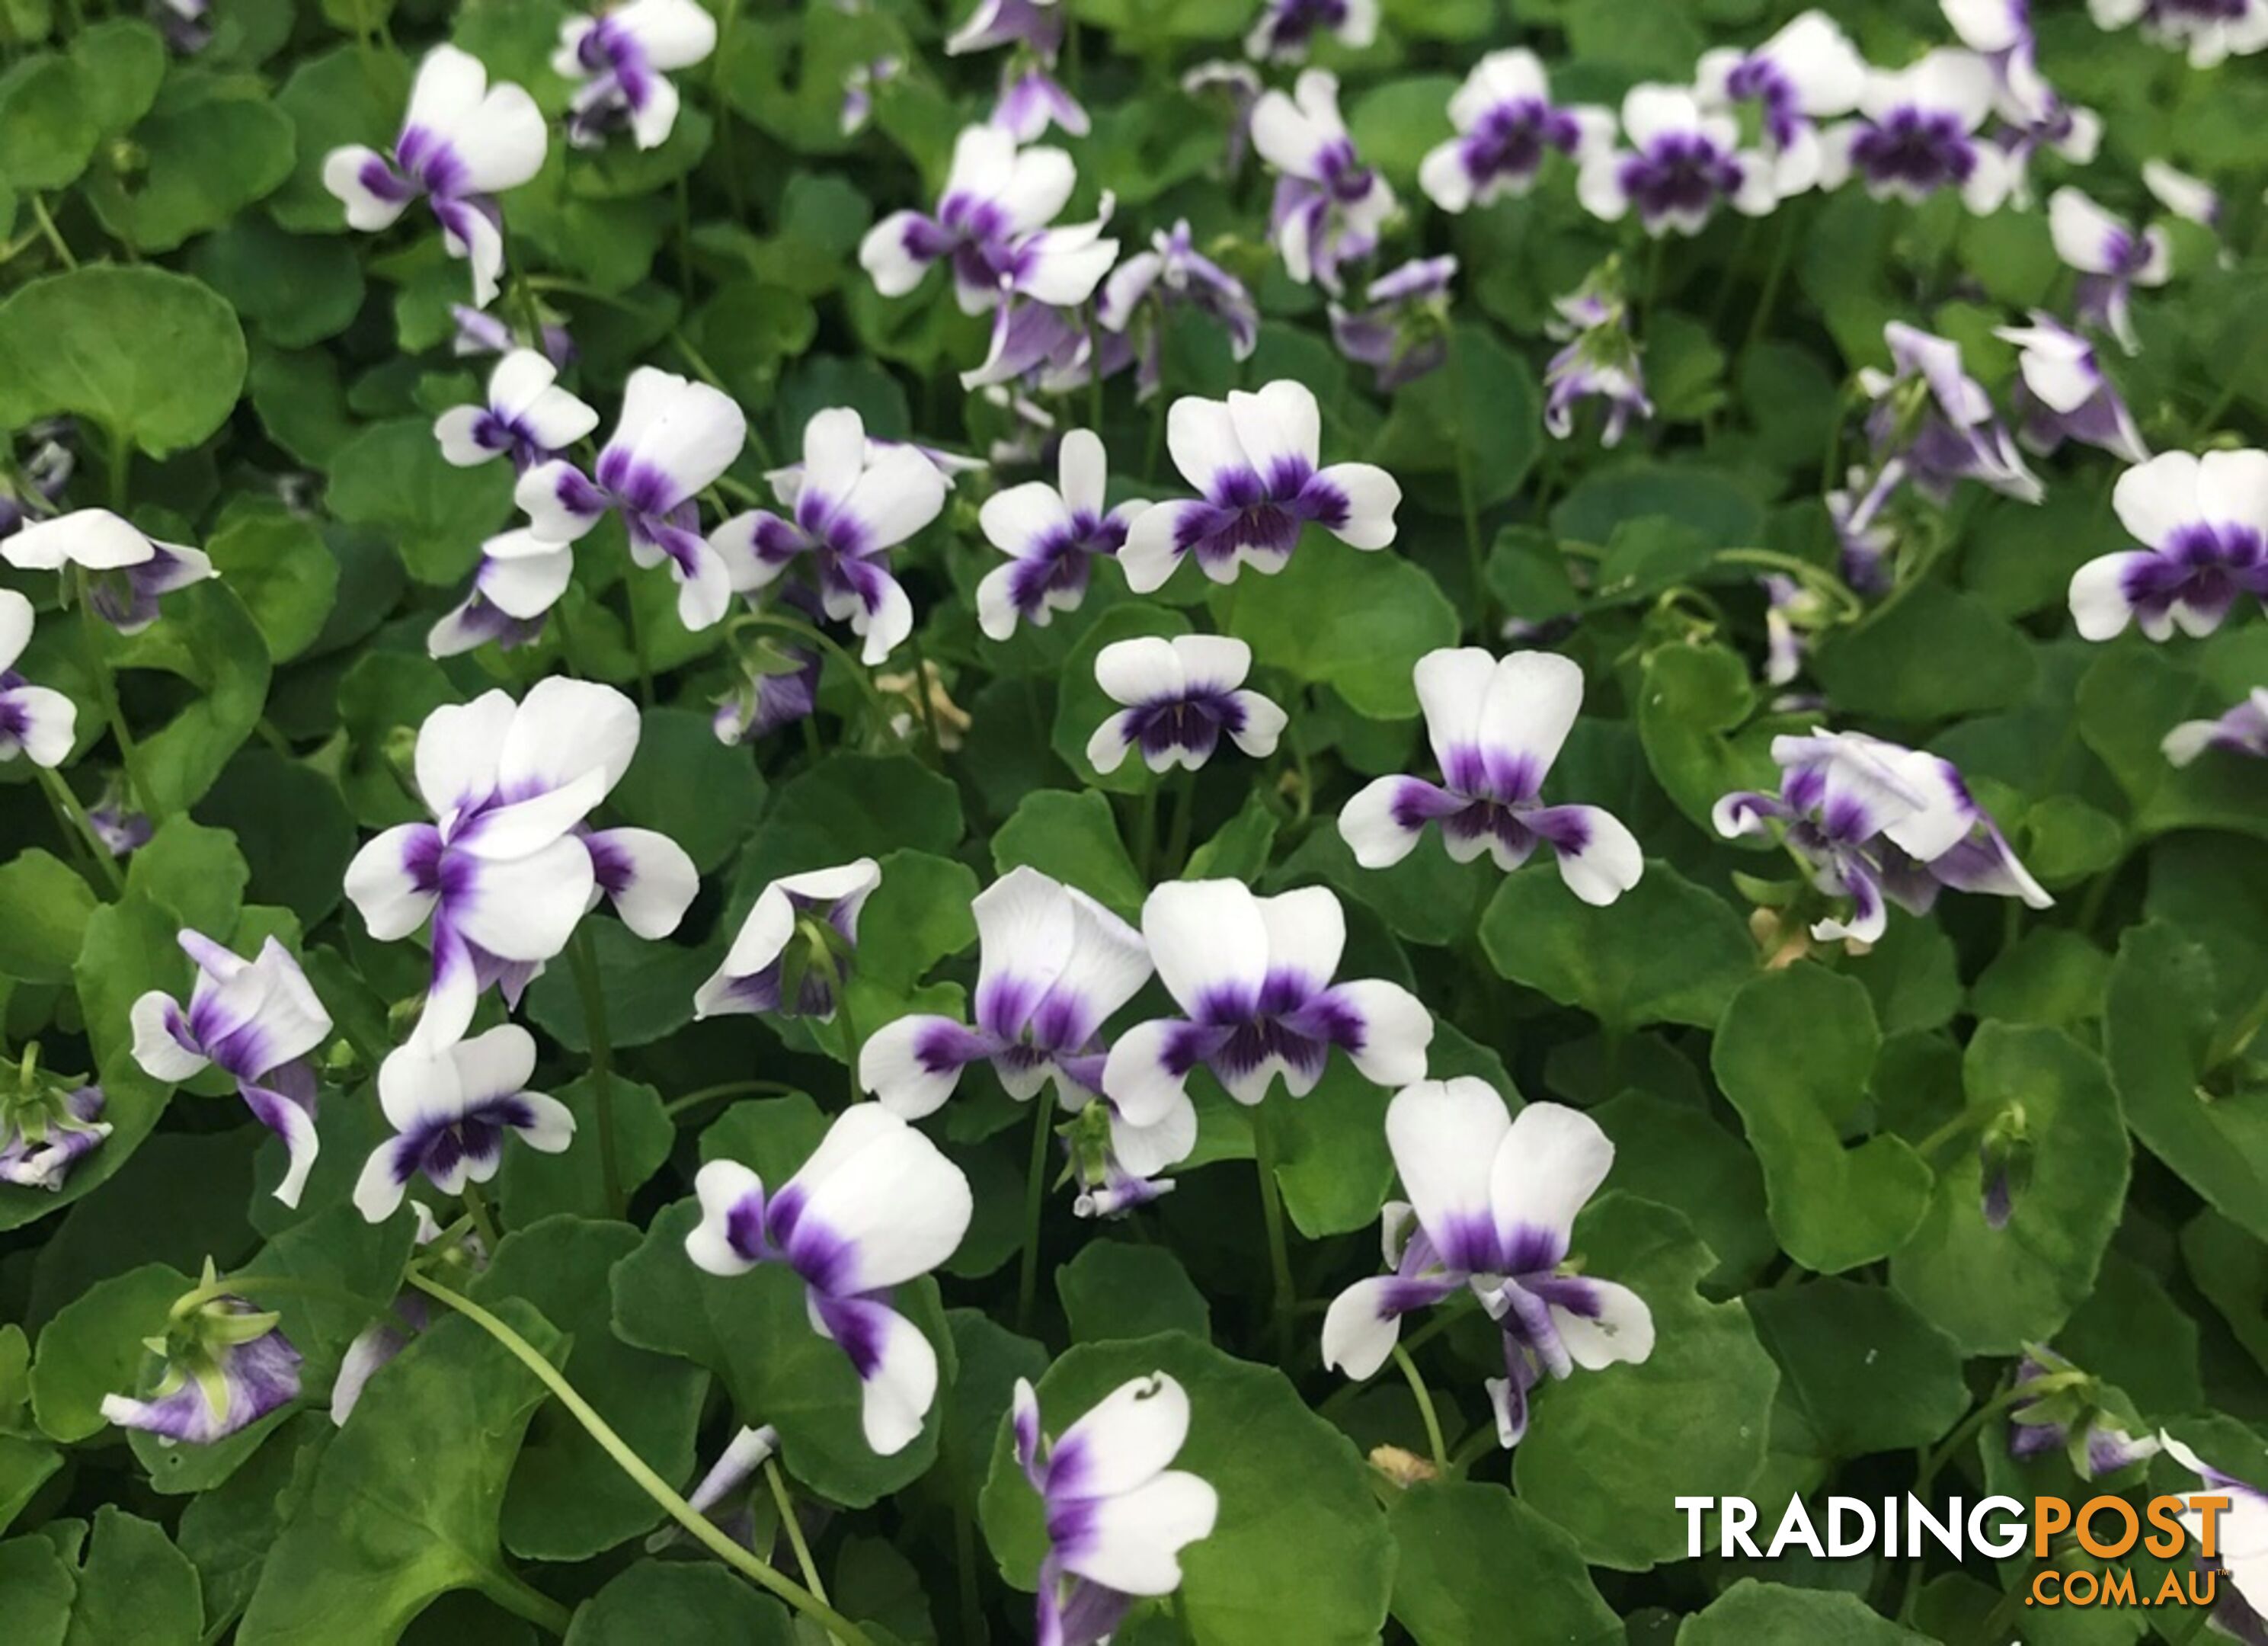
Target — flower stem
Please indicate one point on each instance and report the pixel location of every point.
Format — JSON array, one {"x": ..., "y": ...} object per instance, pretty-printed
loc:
[
  {"x": 53, "y": 235},
  {"x": 1475, "y": 556},
  {"x": 477, "y": 1207},
  {"x": 1769, "y": 297},
  {"x": 1271, "y": 1217},
  {"x": 823, "y": 957},
  {"x": 676, "y": 1106},
  {"x": 73, "y": 816},
  {"x": 923, "y": 705},
  {"x": 793, "y": 1527},
  {"x": 586, "y": 966},
  {"x": 1177, "y": 842},
  {"x": 516, "y": 1595},
  {"x": 1035, "y": 1197},
  {"x": 106, "y": 691},
  {"x": 634, "y": 1466},
  {"x": 639, "y": 647},
  {"x": 1425, "y": 1399}
]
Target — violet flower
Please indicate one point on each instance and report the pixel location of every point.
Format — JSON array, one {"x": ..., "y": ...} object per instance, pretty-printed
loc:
[
  {"x": 673, "y": 440},
  {"x": 992, "y": 225},
  {"x": 1404, "y": 332},
  {"x": 1917, "y": 132},
  {"x": 1599, "y": 360},
  {"x": 1254, "y": 457},
  {"x": 450, "y": 1110},
  {"x": 2242, "y": 1529},
  {"x": 375, "y": 1345},
  {"x": 46, "y": 1131},
  {"x": 860, "y": 82},
  {"x": 620, "y": 61},
  {"x": 1492, "y": 1205},
  {"x": 1134, "y": 300},
  {"x": 1031, "y": 99},
  {"x": 877, "y": 1205},
  {"x": 1874, "y": 820},
  {"x": 1507, "y": 126},
  {"x": 2065, "y": 1415},
  {"x": 2189, "y": 198},
  {"x": 1052, "y": 536},
  {"x": 36, "y": 722},
  {"x": 478, "y": 333},
  {"x": 1180, "y": 694},
  {"x": 126, "y": 572},
  {"x": 1329, "y": 207},
  {"x": 2112, "y": 259},
  {"x": 44, "y": 475},
  {"x": 462, "y": 142},
  {"x": 853, "y": 501},
  {"x": 1254, "y": 977},
  {"x": 1933, "y": 424},
  {"x": 778, "y": 684},
  {"x": 1807, "y": 72},
  {"x": 2066, "y": 395},
  {"x": 527, "y": 416},
  {"x": 771, "y": 966},
  {"x": 2211, "y": 30},
  {"x": 225, "y": 1367},
  {"x": 1237, "y": 85},
  {"x": 1683, "y": 162},
  {"x": 1117, "y": 1516},
  {"x": 519, "y": 578},
  {"x": 1037, "y": 24},
  {"x": 184, "y": 23},
  {"x": 1287, "y": 29},
  {"x": 2203, "y": 521},
  {"x": 256, "y": 1021},
  {"x": 1792, "y": 610},
  {"x": 2241, "y": 730},
  {"x": 122, "y": 831},
  {"x": 1496, "y": 727}
]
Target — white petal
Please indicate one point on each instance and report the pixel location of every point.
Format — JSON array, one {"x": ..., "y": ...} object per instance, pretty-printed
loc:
[
  {"x": 50, "y": 723},
  {"x": 901, "y": 493},
  {"x": 1445, "y": 1135},
  {"x": 1151, "y": 552},
  {"x": 551, "y": 1126},
  {"x": 1018, "y": 520},
  {"x": 1147, "y": 1150},
  {"x": 1608, "y": 864},
  {"x": 883, "y": 254},
  {"x": 1147, "y": 668},
  {"x": 691, "y": 431},
  {"x": 1373, "y": 495},
  {"x": 1371, "y": 829},
  {"x": 16, "y": 620},
  {"x": 162, "y": 1057},
  {"x": 1038, "y": 183},
  {"x": 425, "y": 1086},
  {"x": 2160, "y": 497},
  {"x": 1206, "y": 934},
  {"x": 674, "y": 33},
  {"x": 2083, "y": 231},
  {"x": 1279, "y": 424},
  {"x": 1201, "y": 435},
  {"x": 556, "y": 419},
  {"x": 94, "y": 538},
  {"x": 527, "y": 908},
  {"x": 377, "y": 1192},
  {"x": 454, "y": 430},
  {"x": 501, "y": 141},
  {"x": 1129, "y": 1437},
  {"x": 524, "y": 584},
  {"x": 1452, "y": 684},
  {"x": 889, "y": 1069},
  {"x": 1141, "y": 1088},
  {"x": 1307, "y": 932},
  {"x": 1397, "y": 1030},
  {"x": 1106, "y": 749},
  {"x": 1083, "y": 469},
  {"x": 1264, "y": 721},
  {"x": 543, "y": 494},
  {"x": 901, "y": 1205},
  {"x": 896, "y": 1392},
  {"x": 366, "y": 209},
  {"x": 1531, "y": 705},
  {"x": 563, "y": 729},
  {"x": 1550, "y": 1163},
  {"x": 662, "y": 882},
  {"x": 2099, "y": 608},
  {"x": 1135, "y": 1539},
  {"x": 1623, "y": 1332},
  {"x": 723, "y": 1188},
  {"x": 1359, "y": 1333},
  {"x": 378, "y": 884},
  {"x": 2233, "y": 488}
]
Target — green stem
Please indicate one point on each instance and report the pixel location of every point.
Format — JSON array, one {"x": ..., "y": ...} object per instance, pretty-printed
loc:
[
  {"x": 1146, "y": 834},
  {"x": 586, "y": 966},
  {"x": 1425, "y": 1399},
  {"x": 793, "y": 1528},
  {"x": 1035, "y": 1199},
  {"x": 1475, "y": 554},
  {"x": 106, "y": 691},
  {"x": 823, "y": 957},
  {"x": 2232, "y": 1043},
  {"x": 1272, "y": 1218},
  {"x": 1967, "y": 1120},
  {"x": 258, "y": 1286},
  {"x": 1177, "y": 842},
  {"x": 964, "y": 1561},
  {"x": 1816, "y": 578},
  {"x": 477, "y": 1207},
  {"x": 1442, "y": 1320},
  {"x": 53, "y": 235},
  {"x": 72, "y": 815},
  {"x": 638, "y": 646},
  {"x": 516, "y": 1595},
  {"x": 729, "y": 15},
  {"x": 676, "y": 1106},
  {"x": 647, "y": 1481},
  {"x": 1769, "y": 297}
]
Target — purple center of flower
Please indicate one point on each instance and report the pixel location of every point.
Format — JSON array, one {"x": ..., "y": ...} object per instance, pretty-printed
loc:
[
  {"x": 1679, "y": 175},
  {"x": 1511, "y": 139},
  {"x": 1915, "y": 150}
]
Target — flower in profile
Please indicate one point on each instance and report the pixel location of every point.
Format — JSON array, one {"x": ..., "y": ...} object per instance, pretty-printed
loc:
[
  {"x": 1052, "y": 536},
  {"x": 256, "y": 1021},
  {"x": 479, "y": 332},
  {"x": 877, "y": 1205},
  {"x": 122, "y": 831},
  {"x": 1037, "y": 331},
  {"x": 2203, "y": 521},
  {"x": 32, "y": 493},
  {"x": 1873, "y": 819},
  {"x": 35, "y": 722},
  {"x": 1031, "y": 99},
  {"x": 1036, "y": 25},
  {"x": 1237, "y": 85},
  {"x": 375, "y": 1345},
  {"x": 1255, "y": 976},
  {"x": 674, "y": 438},
  {"x": 2241, "y": 730},
  {"x": 2211, "y": 30},
  {"x": 797, "y": 942},
  {"x": 2242, "y": 1529},
  {"x": 1507, "y": 126},
  {"x": 2063, "y": 1414},
  {"x": 1134, "y": 300},
  {"x": 184, "y": 23},
  {"x": 1933, "y": 424},
  {"x": 125, "y": 571},
  {"x": 1807, "y": 72},
  {"x": 1493, "y": 1203},
  {"x": 1117, "y": 1514},
  {"x": 1917, "y": 133},
  {"x": 1599, "y": 360},
  {"x": 225, "y": 1366},
  {"x": 450, "y": 1110},
  {"x": 1182, "y": 693},
  {"x": 1683, "y": 162},
  {"x": 860, "y": 82},
  {"x": 852, "y": 502},
  {"x": 462, "y": 142},
  {"x": 2189, "y": 198},
  {"x": 1329, "y": 207},
  {"x": 1287, "y": 29},
  {"x": 621, "y": 60},
  {"x": 1496, "y": 727},
  {"x": 527, "y": 416},
  {"x": 727, "y": 1482},
  {"x": 1793, "y": 609},
  {"x": 989, "y": 224},
  {"x": 2112, "y": 259},
  {"x": 501, "y": 872},
  {"x": 2065, "y": 394},
  {"x": 1254, "y": 457},
  {"x": 1404, "y": 332},
  {"x": 519, "y": 578},
  {"x": 46, "y": 1129}
]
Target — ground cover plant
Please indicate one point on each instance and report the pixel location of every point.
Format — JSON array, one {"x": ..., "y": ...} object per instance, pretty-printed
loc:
[{"x": 1136, "y": 819}]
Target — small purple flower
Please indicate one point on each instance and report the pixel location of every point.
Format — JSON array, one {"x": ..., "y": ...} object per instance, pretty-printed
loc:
[
  {"x": 462, "y": 143},
  {"x": 673, "y": 440},
  {"x": 877, "y": 1205},
  {"x": 1917, "y": 133},
  {"x": 1180, "y": 694},
  {"x": 184, "y": 23},
  {"x": 853, "y": 501},
  {"x": 1507, "y": 126},
  {"x": 2211, "y": 30},
  {"x": 126, "y": 572},
  {"x": 1287, "y": 29},
  {"x": 225, "y": 1366},
  {"x": 2063, "y": 1415},
  {"x": 727, "y": 1482},
  {"x": 769, "y": 967},
  {"x": 1109, "y": 1185},
  {"x": 1031, "y": 99},
  {"x": 1864, "y": 537},
  {"x": 1404, "y": 333},
  {"x": 1683, "y": 162},
  {"x": 45, "y": 474},
  {"x": 256, "y": 1021},
  {"x": 2112, "y": 259},
  {"x": 1933, "y": 424},
  {"x": 45, "y": 1133},
  {"x": 520, "y": 577},
  {"x": 122, "y": 831},
  {"x": 1052, "y": 536},
  {"x": 620, "y": 60},
  {"x": 1496, "y": 728},
  {"x": 1873, "y": 819},
  {"x": 452, "y": 1109},
  {"x": 859, "y": 85},
  {"x": 1492, "y": 1205},
  {"x": 1807, "y": 72},
  {"x": 528, "y": 416},
  {"x": 478, "y": 333},
  {"x": 1117, "y": 1516},
  {"x": 1254, "y": 975},
  {"x": 1253, "y": 456},
  {"x": 1329, "y": 207},
  {"x": 2066, "y": 395},
  {"x": 779, "y": 682},
  {"x": 2203, "y": 521},
  {"x": 375, "y": 1345},
  {"x": 990, "y": 225},
  {"x": 1792, "y": 610},
  {"x": 1036, "y": 25},
  {"x": 1238, "y": 85},
  {"x": 1038, "y": 332},
  {"x": 2243, "y": 730},
  {"x": 35, "y": 722},
  {"x": 1600, "y": 361},
  {"x": 1170, "y": 274}
]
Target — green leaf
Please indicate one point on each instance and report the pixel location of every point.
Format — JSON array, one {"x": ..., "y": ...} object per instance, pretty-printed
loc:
[
  {"x": 25, "y": 1465},
  {"x": 1073, "y": 836},
  {"x": 137, "y": 1588},
  {"x": 47, "y": 905},
  {"x": 1299, "y": 1550},
  {"x": 1794, "y": 1054},
  {"x": 532, "y": 1185},
  {"x": 1340, "y": 618},
  {"x": 1478, "y": 1567},
  {"x": 684, "y": 1602},
  {"x": 215, "y": 145},
  {"x": 156, "y": 359},
  {"x": 851, "y": 806},
  {"x": 296, "y": 289},
  {"x": 690, "y": 786},
  {"x": 1677, "y": 1154},
  {"x": 1711, "y": 501},
  {"x": 38, "y": 1588},
  {"x": 208, "y": 639},
  {"x": 1483, "y": 408},
  {"x": 2130, "y": 698},
  {"x": 293, "y": 829},
  {"x": 93, "y": 1347},
  {"x": 1117, "y": 1289},
  {"x": 1334, "y": 1167},
  {"x": 1665, "y": 951},
  {"x": 1750, "y": 1612},
  {"x": 1692, "y": 699},
  {"x": 991, "y": 1359},
  {"x": 228, "y": 1531},
  {"x": 1394, "y": 125},
  {"x": 48, "y": 126},
  {"x": 405, "y": 1502},
  {"x": 1894, "y": 664},
  {"x": 1424, "y": 898},
  {"x": 392, "y": 477},
  {"x": 647, "y": 988},
  {"x": 1863, "y": 1371},
  {"x": 347, "y": 95},
  {"x": 1239, "y": 849},
  {"x": 2051, "y": 976},
  {"x": 280, "y": 568}
]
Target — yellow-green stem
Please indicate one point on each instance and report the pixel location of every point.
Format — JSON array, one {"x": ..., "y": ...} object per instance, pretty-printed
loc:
[
  {"x": 585, "y": 963},
  {"x": 1036, "y": 1200}
]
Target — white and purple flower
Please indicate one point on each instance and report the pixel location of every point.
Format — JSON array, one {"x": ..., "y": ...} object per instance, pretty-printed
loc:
[
  {"x": 462, "y": 142},
  {"x": 478, "y": 333},
  {"x": 450, "y": 1110},
  {"x": 1182, "y": 693},
  {"x": 992, "y": 225},
  {"x": 2203, "y": 521},
  {"x": 852, "y": 502},
  {"x": 2065, "y": 394},
  {"x": 256, "y": 1021},
  {"x": 36, "y": 722},
  {"x": 1599, "y": 360},
  {"x": 1933, "y": 424},
  {"x": 1496, "y": 728},
  {"x": 1287, "y": 29},
  {"x": 30, "y": 492},
  {"x": 1404, "y": 332},
  {"x": 2111, "y": 257},
  {"x": 1117, "y": 1514},
  {"x": 1052, "y": 536},
  {"x": 1254, "y": 975},
  {"x": 225, "y": 1366},
  {"x": 2241, "y": 730},
  {"x": 528, "y": 416},
  {"x": 1254, "y": 457},
  {"x": 1172, "y": 273},
  {"x": 1683, "y": 162},
  {"x": 1493, "y": 1203},
  {"x": 2063, "y": 1414},
  {"x": 375, "y": 1345},
  {"x": 520, "y": 577},
  {"x": 45, "y": 1133},
  {"x": 1507, "y": 126},
  {"x": 674, "y": 438},
  {"x": 1807, "y": 72},
  {"x": 1036, "y": 25},
  {"x": 1917, "y": 133},
  {"x": 1236, "y": 85},
  {"x": 1329, "y": 207},
  {"x": 125, "y": 571},
  {"x": 2189, "y": 198},
  {"x": 2241, "y": 1540},
  {"x": 2211, "y": 30},
  {"x": 877, "y": 1205},
  {"x": 620, "y": 61},
  {"x": 770, "y": 967},
  {"x": 860, "y": 82}
]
